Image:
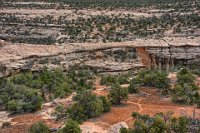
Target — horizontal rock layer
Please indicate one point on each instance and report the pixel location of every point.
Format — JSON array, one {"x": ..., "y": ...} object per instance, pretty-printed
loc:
[{"x": 105, "y": 56}]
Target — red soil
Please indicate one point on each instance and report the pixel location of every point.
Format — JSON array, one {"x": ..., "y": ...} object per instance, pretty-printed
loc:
[{"x": 21, "y": 123}]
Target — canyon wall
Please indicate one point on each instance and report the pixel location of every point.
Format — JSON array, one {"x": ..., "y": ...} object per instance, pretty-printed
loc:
[
  {"x": 106, "y": 57},
  {"x": 168, "y": 58},
  {"x": 18, "y": 58}
]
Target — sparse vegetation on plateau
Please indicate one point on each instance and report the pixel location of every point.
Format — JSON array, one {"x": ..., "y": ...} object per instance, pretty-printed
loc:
[
  {"x": 121, "y": 4},
  {"x": 103, "y": 28}
]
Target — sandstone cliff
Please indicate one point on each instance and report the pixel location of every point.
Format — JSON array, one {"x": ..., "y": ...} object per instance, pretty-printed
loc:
[{"x": 159, "y": 53}]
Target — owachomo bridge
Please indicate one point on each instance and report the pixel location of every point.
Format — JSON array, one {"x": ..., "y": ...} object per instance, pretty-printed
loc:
[{"x": 16, "y": 56}]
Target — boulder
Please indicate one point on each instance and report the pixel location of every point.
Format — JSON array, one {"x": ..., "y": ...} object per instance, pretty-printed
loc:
[{"x": 2, "y": 43}]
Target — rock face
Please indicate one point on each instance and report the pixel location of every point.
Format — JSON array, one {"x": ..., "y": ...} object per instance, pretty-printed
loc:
[
  {"x": 165, "y": 58},
  {"x": 183, "y": 52},
  {"x": 107, "y": 57},
  {"x": 116, "y": 128},
  {"x": 16, "y": 58}
]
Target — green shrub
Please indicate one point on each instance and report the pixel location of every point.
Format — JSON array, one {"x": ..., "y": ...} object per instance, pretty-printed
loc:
[
  {"x": 185, "y": 94},
  {"x": 77, "y": 113},
  {"x": 135, "y": 84},
  {"x": 87, "y": 105},
  {"x": 62, "y": 90},
  {"x": 60, "y": 112},
  {"x": 180, "y": 125},
  {"x": 23, "y": 99},
  {"x": 12, "y": 106},
  {"x": 185, "y": 76},
  {"x": 107, "y": 80},
  {"x": 71, "y": 126},
  {"x": 185, "y": 91},
  {"x": 33, "y": 100},
  {"x": 106, "y": 103},
  {"x": 39, "y": 127},
  {"x": 92, "y": 105},
  {"x": 124, "y": 130},
  {"x": 118, "y": 94},
  {"x": 154, "y": 78}
]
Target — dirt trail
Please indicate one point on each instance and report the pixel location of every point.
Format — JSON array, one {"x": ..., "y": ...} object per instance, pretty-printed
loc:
[{"x": 139, "y": 105}]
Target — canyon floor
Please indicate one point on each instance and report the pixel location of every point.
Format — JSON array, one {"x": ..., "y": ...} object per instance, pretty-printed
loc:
[{"x": 149, "y": 101}]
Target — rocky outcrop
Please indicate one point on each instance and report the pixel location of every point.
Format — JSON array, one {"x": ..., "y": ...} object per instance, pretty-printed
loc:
[{"x": 116, "y": 128}]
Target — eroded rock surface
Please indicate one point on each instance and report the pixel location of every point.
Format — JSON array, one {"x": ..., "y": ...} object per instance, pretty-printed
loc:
[
  {"x": 116, "y": 128},
  {"x": 121, "y": 56}
]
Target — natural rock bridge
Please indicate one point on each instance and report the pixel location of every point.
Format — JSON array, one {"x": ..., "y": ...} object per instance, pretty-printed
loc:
[{"x": 158, "y": 53}]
